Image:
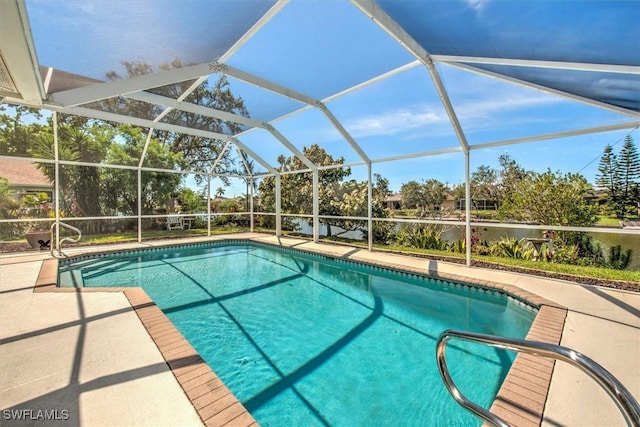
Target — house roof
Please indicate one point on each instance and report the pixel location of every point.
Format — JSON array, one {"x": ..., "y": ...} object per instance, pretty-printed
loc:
[{"x": 22, "y": 173}]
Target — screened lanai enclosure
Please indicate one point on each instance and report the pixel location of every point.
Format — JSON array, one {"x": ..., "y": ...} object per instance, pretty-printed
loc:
[{"x": 362, "y": 119}]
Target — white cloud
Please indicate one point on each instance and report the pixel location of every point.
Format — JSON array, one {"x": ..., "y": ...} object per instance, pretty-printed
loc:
[
  {"x": 477, "y": 5},
  {"x": 504, "y": 103},
  {"x": 393, "y": 122},
  {"x": 86, "y": 7},
  {"x": 430, "y": 120}
]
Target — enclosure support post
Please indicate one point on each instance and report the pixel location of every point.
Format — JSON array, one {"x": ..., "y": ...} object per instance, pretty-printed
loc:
[
  {"x": 56, "y": 156},
  {"x": 369, "y": 207},
  {"x": 139, "y": 205},
  {"x": 140, "y": 162},
  {"x": 467, "y": 208},
  {"x": 209, "y": 205},
  {"x": 251, "y": 218},
  {"x": 278, "y": 207},
  {"x": 316, "y": 207}
]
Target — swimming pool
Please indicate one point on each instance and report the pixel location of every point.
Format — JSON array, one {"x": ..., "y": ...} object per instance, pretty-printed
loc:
[{"x": 303, "y": 339}]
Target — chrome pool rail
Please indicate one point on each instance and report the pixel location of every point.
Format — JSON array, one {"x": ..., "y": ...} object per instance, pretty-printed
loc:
[
  {"x": 66, "y": 239},
  {"x": 622, "y": 397}
]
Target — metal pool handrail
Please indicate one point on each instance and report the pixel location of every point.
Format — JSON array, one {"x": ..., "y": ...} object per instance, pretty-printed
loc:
[
  {"x": 623, "y": 399},
  {"x": 66, "y": 239}
]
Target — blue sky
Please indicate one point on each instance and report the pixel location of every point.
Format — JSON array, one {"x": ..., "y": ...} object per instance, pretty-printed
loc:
[{"x": 320, "y": 48}]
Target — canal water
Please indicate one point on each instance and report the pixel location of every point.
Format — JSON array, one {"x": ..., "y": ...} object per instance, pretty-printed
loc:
[{"x": 607, "y": 240}]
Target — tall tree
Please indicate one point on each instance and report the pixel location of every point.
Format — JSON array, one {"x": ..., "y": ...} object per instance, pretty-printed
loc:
[
  {"x": 336, "y": 197},
  {"x": 491, "y": 184},
  {"x": 607, "y": 177},
  {"x": 510, "y": 175},
  {"x": 16, "y": 135},
  {"x": 191, "y": 201},
  {"x": 411, "y": 195},
  {"x": 80, "y": 185},
  {"x": 459, "y": 192},
  {"x": 297, "y": 188},
  {"x": 485, "y": 184},
  {"x": 425, "y": 196},
  {"x": 381, "y": 188},
  {"x": 434, "y": 193},
  {"x": 199, "y": 152},
  {"x": 119, "y": 187},
  {"x": 628, "y": 176},
  {"x": 248, "y": 169},
  {"x": 607, "y": 170},
  {"x": 551, "y": 199},
  {"x": 353, "y": 201}
]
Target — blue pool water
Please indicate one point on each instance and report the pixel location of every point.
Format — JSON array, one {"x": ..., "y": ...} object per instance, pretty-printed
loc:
[{"x": 304, "y": 340}]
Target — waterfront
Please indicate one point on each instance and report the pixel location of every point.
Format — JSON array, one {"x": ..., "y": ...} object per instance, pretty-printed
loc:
[{"x": 490, "y": 234}]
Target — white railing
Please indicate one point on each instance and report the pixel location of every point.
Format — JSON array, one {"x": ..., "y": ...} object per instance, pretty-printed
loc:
[
  {"x": 72, "y": 239},
  {"x": 622, "y": 397}
]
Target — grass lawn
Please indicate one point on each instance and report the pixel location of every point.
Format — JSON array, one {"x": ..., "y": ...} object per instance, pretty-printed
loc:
[
  {"x": 609, "y": 221},
  {"x": 132, "y": 236}
]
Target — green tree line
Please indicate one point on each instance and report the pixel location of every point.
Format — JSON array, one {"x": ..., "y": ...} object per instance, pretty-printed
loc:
[
  {"x": 337, "y": 195},
  {"x": 550, "y": 198}
]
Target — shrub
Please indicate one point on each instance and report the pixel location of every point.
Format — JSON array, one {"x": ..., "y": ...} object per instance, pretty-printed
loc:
[
  {"x": 383, "y": 232},
  {"x": 566, "y": 254},
  {"x": 509, "y": 247},
  {"x": 582, "y": 249},
  {"x": 422, "y": 237},
  {"x": 458, "y": 246},
  {"x": 619, "y": 259}
]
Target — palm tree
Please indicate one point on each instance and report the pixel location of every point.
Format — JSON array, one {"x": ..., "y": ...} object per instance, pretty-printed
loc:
[{"x": 249, "y": 166}]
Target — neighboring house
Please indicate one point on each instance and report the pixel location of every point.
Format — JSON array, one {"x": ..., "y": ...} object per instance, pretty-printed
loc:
[
  {"x": 597, "y": 197},
  {"x": 393, "y": 201},
  {"x": 448, "y": 204},
  {"x": 478, "y": 205},
  {"x": 25, "y": 178}
]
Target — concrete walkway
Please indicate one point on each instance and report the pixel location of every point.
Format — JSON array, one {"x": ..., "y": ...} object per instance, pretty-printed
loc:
[
  {"x": 89, "y": 353},
  {"x": 84, "y": 358}
]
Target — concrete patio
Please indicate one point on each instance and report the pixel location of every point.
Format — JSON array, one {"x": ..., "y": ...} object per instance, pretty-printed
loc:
[{"x": 89, "y": 358}]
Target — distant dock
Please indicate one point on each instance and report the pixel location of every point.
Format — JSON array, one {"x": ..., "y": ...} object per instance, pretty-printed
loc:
[{"x": 630, "y": 224}]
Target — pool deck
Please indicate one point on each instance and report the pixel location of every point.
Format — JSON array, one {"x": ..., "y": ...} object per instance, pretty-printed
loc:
[{"x": 112, "y": 358}]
